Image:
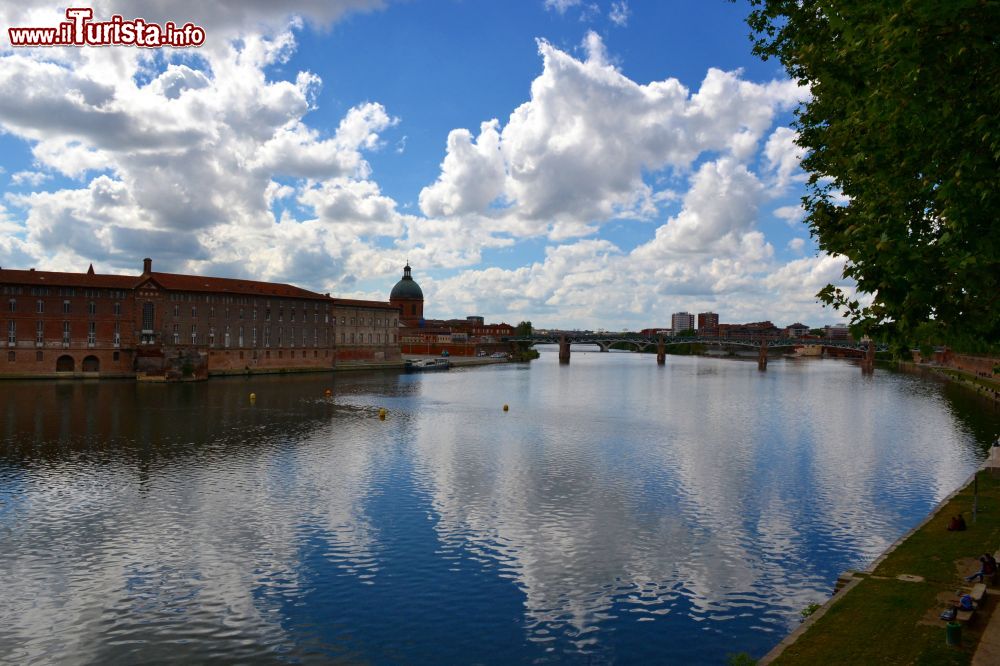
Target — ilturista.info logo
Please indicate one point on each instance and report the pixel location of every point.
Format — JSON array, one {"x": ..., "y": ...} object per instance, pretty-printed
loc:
[{"x": 81, "y": 30}]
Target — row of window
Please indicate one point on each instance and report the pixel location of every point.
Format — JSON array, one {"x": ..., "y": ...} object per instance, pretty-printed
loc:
[
  {"x": 174, "y": 335},
  {"x": 253, "y": 314},
  {"x": 40, "y": 333},
  {"x": 67, "y": 307},
  {"x": 355, "y": 321},
  {"x": 232, "y": 300},
  {"x": 227, "y": 338}
]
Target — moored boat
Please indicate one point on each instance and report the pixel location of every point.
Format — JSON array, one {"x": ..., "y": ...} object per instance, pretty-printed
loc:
[{"x": 428, "y": 364}]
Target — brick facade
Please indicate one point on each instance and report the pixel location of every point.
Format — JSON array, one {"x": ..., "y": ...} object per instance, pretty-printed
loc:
[{"x": 162, "y": 325}]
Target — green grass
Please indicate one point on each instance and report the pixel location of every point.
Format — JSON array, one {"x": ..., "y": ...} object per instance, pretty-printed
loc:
[{"x": 882, "y": 620}]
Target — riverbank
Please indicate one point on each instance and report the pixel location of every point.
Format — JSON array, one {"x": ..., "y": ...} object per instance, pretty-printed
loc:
[
  {"x": 983, "y": 386},
  {"x": 890, "y": 613}
]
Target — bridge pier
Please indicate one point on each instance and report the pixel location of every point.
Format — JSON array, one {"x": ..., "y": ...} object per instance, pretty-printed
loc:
[
  {"x": 868, "y": 362},
  {"x": 563, "y": 349},
  {"x": 762, "y": 356},
  {"x": 661, "y": 351}
]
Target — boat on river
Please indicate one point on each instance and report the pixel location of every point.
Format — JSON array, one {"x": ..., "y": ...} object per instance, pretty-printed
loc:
[{"x": 428, "y": 364}]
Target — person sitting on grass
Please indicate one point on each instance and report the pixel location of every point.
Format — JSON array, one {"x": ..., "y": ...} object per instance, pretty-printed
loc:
[
  {"x": 957, "y": 524},
  {"x": 987, "y": 567}
]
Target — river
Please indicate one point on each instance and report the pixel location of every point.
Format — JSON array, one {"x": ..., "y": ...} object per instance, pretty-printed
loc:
[{"x": 619, "y": 512}]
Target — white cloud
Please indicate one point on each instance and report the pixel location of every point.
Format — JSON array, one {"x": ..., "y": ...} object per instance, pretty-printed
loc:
[
  {"x": 575, "y": 155},
  {"x": 782, "y": 156},
  {"x": 188, "y": 159},
  {"x": 296, "y": 150},
  {"x": 792, "y": 215},
  {"x": 561, "y": 5},
  {"x": 472, "y": 174},
  {"x": 33, "y": 178},
  {"x": 797, "y": 245},
  {"x": 212, "y": 166},
  {"x": 619, "y": 13}
]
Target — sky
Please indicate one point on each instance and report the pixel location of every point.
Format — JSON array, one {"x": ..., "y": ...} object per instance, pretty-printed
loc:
[{"x": 575, "y": 163}]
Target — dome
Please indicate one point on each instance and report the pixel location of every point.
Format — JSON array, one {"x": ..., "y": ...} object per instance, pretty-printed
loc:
[{"x": 407, "y": 287}]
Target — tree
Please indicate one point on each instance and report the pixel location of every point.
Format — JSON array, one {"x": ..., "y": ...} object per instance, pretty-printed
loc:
[
  {"x": 903, "y": 155},
  {"x": 818, "y": 332},
  {"x": 523, "y": 329}
]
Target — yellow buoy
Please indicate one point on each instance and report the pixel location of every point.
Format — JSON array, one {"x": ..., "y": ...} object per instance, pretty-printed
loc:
[
  {"x": 253, "y": 398},
  {"x": 381, "y": 414},
  {"x": 506, "y": 408}
]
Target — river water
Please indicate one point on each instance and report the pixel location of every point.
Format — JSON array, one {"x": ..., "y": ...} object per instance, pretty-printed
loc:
[{"x": 619, "y": 512}]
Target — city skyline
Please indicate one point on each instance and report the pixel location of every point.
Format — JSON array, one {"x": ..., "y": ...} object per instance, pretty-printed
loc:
[{"x": 573, "y": 164}]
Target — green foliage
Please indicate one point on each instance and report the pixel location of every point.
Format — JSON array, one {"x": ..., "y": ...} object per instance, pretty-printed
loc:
[
  {"x": 809, "y": 610},
  {"x": 902, "y": 121},
  {"x": 524, "y": 353},
  {"x": 740, "y": 659},
  {"x": 819, "y": 332},
  {"x": 687, "y": 333},
  {"x": 523, "y": 329}
]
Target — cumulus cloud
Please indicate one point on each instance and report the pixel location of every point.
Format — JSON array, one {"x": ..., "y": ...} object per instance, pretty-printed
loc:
[
  {"x": 181, "y": 159},
  {"x": 574, "y": 156},
  {"x": 792, "y": 215},
  {"x": 210, "y": 164},
  {"x": 472, "y": 174},
  {"x": 782, "y": 156},
  {"x": 33, "y": 178}
]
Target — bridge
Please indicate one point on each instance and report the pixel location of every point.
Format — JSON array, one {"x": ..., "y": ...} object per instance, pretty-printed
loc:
[{"x": 866, "y": 348}]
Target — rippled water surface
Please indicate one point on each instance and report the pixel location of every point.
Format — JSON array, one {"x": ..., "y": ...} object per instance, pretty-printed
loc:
[{"x": 619, "y": 512}]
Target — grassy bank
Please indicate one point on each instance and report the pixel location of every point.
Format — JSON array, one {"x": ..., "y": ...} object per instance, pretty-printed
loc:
[{"x": 886, "y": 620}]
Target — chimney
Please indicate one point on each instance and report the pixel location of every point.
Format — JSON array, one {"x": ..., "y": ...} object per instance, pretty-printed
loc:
[{"x": 147, "y": 266}]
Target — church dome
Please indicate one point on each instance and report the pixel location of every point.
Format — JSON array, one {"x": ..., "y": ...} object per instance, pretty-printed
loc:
[{"x": 406, "y": 287}]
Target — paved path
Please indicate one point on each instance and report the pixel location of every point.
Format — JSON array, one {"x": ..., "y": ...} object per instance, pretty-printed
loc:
[{"x": 988, "y": 650}]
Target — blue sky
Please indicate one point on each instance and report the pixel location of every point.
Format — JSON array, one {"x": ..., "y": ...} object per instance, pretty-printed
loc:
[{"x": 594, "y": 164}]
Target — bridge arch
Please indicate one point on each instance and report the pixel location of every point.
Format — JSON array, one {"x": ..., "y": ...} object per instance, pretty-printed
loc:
[
  {"x": 65, "y": 363},
  {"x": 91, "y": 364}
]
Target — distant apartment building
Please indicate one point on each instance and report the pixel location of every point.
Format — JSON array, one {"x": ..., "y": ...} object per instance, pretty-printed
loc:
[
  {"x": 682, "y": 321},
  {"x": 837, "y": 332},
  {"x": 660, "y": 330},
  {"x": 753, "y": 331},
  {"x": 796, "y": 330},
  {"x": 708, "y": 321}
]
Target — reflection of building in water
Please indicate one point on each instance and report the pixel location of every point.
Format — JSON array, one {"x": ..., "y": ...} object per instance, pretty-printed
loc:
[
  {"x": 459, "y": 337},
  {"x": 170, "y": 325}
]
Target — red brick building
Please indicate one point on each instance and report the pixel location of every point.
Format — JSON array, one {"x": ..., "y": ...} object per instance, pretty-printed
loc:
[
  {"x": 170, "y": 326},
  {"x": 458, "y": 337}
]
